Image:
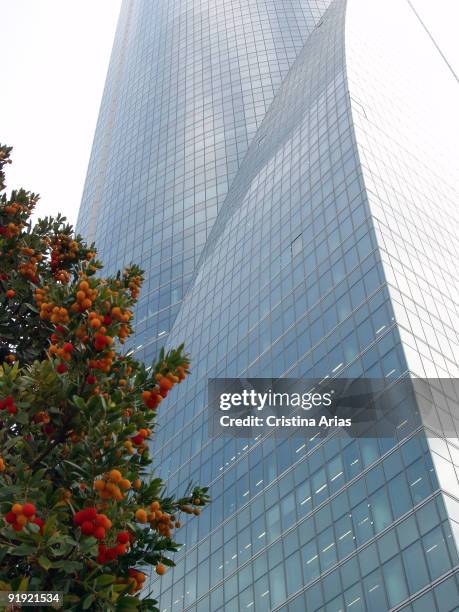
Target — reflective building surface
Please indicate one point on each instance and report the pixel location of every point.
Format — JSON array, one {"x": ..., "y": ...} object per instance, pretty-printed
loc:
[
  {"x": 332, "y": 253},
  {"x": 188, "y": 84}
]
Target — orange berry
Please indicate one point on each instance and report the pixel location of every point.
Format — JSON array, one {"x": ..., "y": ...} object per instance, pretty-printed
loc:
[
  {"x": 117, "y": 494},
  {"x": 141, "y": 515},
  {"x": 110, "y": 487},
  {"x": 115, "y": 475},
  {"x": 137, "y": 484},
  {"x": 21, "y": 520},
  {"x": 17, "y": 508},
  {"x": 116, "y": 311},
  {"x": 99, "y": 485},
  {"x": 160, "y": 569},
  {"x": 125, "y": 484},
  {"x": 10, "y": 293}
]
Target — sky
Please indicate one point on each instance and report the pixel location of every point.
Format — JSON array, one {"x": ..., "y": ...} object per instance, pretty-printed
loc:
[{"x": 55, "y": 55}]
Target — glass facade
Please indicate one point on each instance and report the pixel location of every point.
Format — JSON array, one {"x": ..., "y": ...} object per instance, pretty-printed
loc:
[
  {"x": 331, "y": 255},
  {"x": 188, "y": 84}
]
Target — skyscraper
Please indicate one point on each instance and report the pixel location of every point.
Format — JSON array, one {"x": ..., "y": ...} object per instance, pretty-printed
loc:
[
  {"x": 332, "y": 254},
  {"x": 188, "y": 84}
]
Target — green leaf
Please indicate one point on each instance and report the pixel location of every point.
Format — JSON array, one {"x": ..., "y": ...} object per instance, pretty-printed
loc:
[
  {"x": 23, "y": 584},
  {"x": 79, "y": 402},
  {"x": 78, "y": 468},
  {"x": 87, "y": 601},
  {"x": 44, "y": 562},
  {"x": 105, "y": 579},
  {"x": 126, "y": 603},
  {"x": 88, "y": 546},
  {"x": 23, "y": 550},
  {"x": 50, "y": 525},
  {"x": 71, "y": 599},
  {"x": 68, "y": 566}
]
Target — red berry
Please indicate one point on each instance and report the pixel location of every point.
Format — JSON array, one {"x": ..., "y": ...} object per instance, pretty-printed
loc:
[
  {"x": 165, "y": 384},
  {"x": 120, "y": 549},
  {"x": 9, "y": 401},
  {"x": 87, "y": 528},
  {"x": 79, "y": 518},
  {"x": 111, "y": 554},
  {"x": 122, "y": 537},
  {"x": 91, "y": 379},
  {"x": 10, "y": 517},
  {"x": 107, "y": 320},
  {"x": 138, "y": 439},
  {"x": 17, "y": 527},
  {"x": 60, "y": 329},
  {"x": 61, "y": 368},
  {"x": 89, "y": 514},
  {"x": 68, "y": 347},
  {"x": 40, "y": 522},
  {"x": 99, "y": 533},
  {"x": 12, "y": 409},
  {"x": 153, "y": 401},
  {"x": 28, "y": 509}
]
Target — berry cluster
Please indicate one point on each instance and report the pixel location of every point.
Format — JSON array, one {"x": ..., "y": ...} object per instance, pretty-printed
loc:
[
  {"x": 136, "y": 579},
  {"x": 85, "y": 296},
  {"x": 112, "y": 485},
  {"x": 8, "y": 404},
  {"x": 64, "y": 250},
  {"x": 29, "y": 267},
  {"x": 137, "y": 442},
  {"x": 162, "y": 522},
  {"x": 134, "y": 284},
  {"x": 20, "y": 515},
  {"x": 92, "y": 524},
  {"x": 165, "y": 382},
  {"x": 110, "y": 553},
  {"x": 50, "y": 312}
]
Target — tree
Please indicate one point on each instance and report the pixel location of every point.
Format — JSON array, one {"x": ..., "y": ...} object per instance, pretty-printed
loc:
[{"x": 80, "y": 509}]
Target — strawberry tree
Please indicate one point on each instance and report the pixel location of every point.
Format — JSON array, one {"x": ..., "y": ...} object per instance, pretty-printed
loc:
[{"x": 80, "y": 509}]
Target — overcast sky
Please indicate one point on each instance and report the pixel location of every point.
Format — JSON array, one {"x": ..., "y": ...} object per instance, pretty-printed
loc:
[
  {"x": 55, "y": 56},
  {"x": 54, "y": 59}
]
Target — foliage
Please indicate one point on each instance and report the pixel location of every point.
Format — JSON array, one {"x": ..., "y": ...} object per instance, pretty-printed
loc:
[{"x": 80, "y": 509}]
